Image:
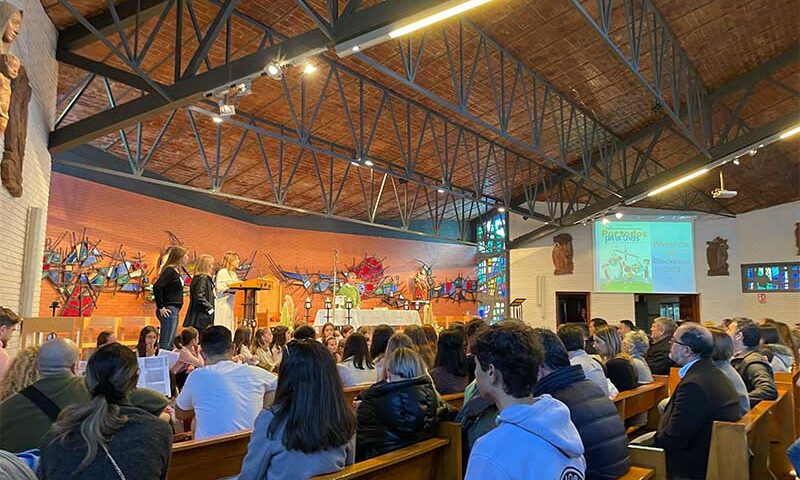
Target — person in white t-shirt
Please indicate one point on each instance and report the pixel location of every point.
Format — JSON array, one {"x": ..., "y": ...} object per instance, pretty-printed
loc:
[{"x": 224, "y": 396}]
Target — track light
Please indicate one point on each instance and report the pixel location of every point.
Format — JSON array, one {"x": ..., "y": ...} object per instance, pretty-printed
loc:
[
  {"x": 216, "y": 119},
  {"x": 501, "y": 209},
  {"x": 437, "y": 17},
  {"x": 274, "y": 71},
  {"x": 356, "y": 48},
  {"x": 736, "y": 161},
  {"x": 677, "y": 182},
  {"x": 619, "y": 215},
  {"x": 368, "y": 163},
  {"x": 226, "y": 109},
  {"x": 440, "y": 190},
  {"x": 606, "y": 221},
  {"x": 354, "y": 163},
  {"x": 309, "y": 68},
  {"x": 790, "y": 132}
]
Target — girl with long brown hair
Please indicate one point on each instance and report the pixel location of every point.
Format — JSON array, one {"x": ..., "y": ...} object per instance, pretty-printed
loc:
[{"x": 168, "y": 293}]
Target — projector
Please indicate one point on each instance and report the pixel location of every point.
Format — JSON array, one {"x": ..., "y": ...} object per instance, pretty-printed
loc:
[{"x": 724, "y": 194}]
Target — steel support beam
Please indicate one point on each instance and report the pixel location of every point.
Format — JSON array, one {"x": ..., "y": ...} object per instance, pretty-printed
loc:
[{"x": 129, "y": 12}]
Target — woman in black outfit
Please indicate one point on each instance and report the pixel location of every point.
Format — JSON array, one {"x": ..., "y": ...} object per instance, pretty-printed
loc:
[
  {"x": 618, "y": 365},
  {"x": 200, "y": 314},
  {"x": 168, "y": 293},
  {"x": 107, "y": 437}
]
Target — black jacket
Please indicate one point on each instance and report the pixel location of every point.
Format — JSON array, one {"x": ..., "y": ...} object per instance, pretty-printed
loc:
[
  {"x": 168, "y": 289},
  {"x": 622, "y": 374},
  {"x": 201, "y": 301},
  {"x": 684, "y": 432},
  {"x": 757, "y": 375},
  {"x": 657, "y": 357},
  {"x": 394, "y": 415},
  {"x": 595, "y": 416}
]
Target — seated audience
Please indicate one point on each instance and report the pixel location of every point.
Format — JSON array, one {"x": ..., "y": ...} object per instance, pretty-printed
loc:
[
  {"x": 8, "y": 325},
  {"x": 357, "y": 367},
  {"x": 599, "y": 425},
  {"x": 202, "y": 298},
  {"x": 635, "y": 344},
  {"x": 703, "y": 396},
  {"x": 625, "y": 327},
  {"x": 104, "y": 338},
  {"x": 402, "y": 410},
  {"x": 593, "y": 325},
  {"x": 268, "y": 357},
  {"x": 366, "y": 330},
  {"x": 224, "y": 396},
  {"x": 107, "y": 438},
  {"x": 23, "y": 371},
  {"x": 449, "y": 374},
  {"x": 781, "y": 357},
  {"x": 721, "y": 356},
  {"x": 347, "y": 330},
  {"x": 786, "y": 336},
  {"x": 326, "y": 331},
  {"x": 432, "y": 336},
  {"x": 417, "y": 335},
  {"x": 474, "y": 327},
  {"x": 377, "y": 349},
  {"x": 396, "y": 341},
  {"x": 189, "y": 358},
  {"x": 748, "y": 361},
  {"x": 534, "y": 437},
  {"x": 572, "y": 335},
  {"x": 332, "y": 345},
  {"x": 619, "y": 367},
  {"x": 241, "y": 346},
  {"x": 310, "y": 429},
  {"x": 658, "y": 355},
  {"x": 147, "y": 346},
  {"x": 303, "y": 332}
]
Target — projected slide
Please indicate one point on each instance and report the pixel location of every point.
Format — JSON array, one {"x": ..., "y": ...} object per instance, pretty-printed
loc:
[{"x": 644, "y": 257}]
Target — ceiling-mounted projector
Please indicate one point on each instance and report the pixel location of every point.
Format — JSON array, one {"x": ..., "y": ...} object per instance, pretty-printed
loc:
[{"x": 721, "y": 192}]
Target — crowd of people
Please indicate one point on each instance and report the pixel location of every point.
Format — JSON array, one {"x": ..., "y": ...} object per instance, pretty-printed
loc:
[{"x": 537, "y": 403}]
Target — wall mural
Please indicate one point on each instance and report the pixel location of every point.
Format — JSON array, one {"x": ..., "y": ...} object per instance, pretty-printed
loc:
[{"x": 80, "y": 270}]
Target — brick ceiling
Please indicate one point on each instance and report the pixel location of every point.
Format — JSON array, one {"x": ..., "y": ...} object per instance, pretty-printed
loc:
[{"x": 723, "y": 39}]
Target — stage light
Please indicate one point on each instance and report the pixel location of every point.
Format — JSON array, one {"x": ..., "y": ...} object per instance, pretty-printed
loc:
[
  {"x": 619, "y": 215},
  {"x": 678, "y": 182},
  {"x": 606, "y": 221},
  {"x": 274, "y": 71},
  {"x": 790, "y": 132},
  {"x": 309, "y": 68},
  {"x": 436, "y": 17},
  {"x": 227, "y": 110},
  {"x": 356, "y": 48}
]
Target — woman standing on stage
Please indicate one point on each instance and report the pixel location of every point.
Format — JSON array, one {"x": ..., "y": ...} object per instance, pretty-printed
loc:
[
  {"x": 223, "y": 310},
  {"x": 168, "y": 293}
]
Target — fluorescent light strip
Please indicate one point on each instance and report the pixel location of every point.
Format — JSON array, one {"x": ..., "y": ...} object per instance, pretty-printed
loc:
[
  {"x": 436, "y": 17},
  {"x": 677, "y": 182},
  {"x": 789, "y": 133}
]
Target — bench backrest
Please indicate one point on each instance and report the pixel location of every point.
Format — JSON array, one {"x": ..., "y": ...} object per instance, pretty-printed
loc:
[
  {"x": 649, "y": 458},
  {"x": 222, "y": 456},
  {"x": 456, "y": 400},
  {"x": 640, "y": 400}
]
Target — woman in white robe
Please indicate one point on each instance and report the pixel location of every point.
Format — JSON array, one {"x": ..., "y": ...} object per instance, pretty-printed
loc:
[{"x": 223, "y": 306}]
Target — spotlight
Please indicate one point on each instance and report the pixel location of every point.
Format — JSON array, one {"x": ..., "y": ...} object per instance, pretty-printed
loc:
[
  {"x": 736, "y": 161},
  {"x": 356, "y": 48},
  {"x": 619, "y": 215},
  {"x": 243, "y": 89},
  {"x": 354, "y": 163},
  {"x": 368, "y": 163},
  {"x": 274, "y": 71},
  {"x": 606, "y": 221},
  {"x": 309, "y": 68},
  {"x": 227, "y": 110},
  {"x": 440, "y": 190},
  {"x": 753, "y": 152},
  {"x": 216, "y": 119},
  {"x": 501, "y": 209}
]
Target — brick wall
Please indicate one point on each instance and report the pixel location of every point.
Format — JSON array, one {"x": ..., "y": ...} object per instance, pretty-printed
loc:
[
  {"x": 141, "y": 223},
  {"x": 35, "y": 46}
]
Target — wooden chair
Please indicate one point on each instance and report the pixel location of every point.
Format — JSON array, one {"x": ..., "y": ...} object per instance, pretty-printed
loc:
[{"x": 34, "y": 330}]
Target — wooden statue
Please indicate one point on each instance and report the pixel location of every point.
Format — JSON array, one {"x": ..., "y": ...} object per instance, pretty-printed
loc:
[
  {"x": 562, "y": 254},
  {"x": 15, "y": 93},
  {"x": 717, "y": 257}
]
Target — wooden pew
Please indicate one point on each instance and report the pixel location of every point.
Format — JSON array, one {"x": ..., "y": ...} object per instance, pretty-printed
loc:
[
  {"x": 222, "y": 456},
  {"x": 210, "y": 458},
  {"x": 640, "y": 400},
  {"x": 789, "y": 381},
  {"x": 765, "y": 431},
  {"x": 456, "y": 400},
  {"x": 649, "y": 459}
]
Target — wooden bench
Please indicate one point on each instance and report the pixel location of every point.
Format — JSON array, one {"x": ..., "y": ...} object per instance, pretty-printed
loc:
[
  {"x": 456, "y": 400},
  {"x": 222, "y": 456},
  {"x": 765, "y": 432},
  {"x": 789, "y": 382},
  {"x": 646, "y": 461},
  {"x": 645, "y": 398}
]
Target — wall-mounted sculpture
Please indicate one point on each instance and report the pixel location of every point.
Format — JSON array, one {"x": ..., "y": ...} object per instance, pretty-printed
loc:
[
  {"x": 15, "y": 94},
  {"x": 562, "y": 254},
  {"x": 717, "y": 257}
]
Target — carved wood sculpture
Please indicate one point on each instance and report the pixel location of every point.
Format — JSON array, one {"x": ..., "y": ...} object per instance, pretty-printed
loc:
[
  {"x": 717, "y": 257},
  {"x": 15, "y": 93},
  {"x": 562, "y": 254}
]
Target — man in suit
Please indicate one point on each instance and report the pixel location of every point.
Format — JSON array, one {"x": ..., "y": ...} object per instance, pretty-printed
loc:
[
  {"x": 703, "y": 395},
  {"x": 657, "y": 356}
]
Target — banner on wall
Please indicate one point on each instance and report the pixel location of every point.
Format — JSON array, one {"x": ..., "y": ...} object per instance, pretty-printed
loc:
[{"x": 644, "y": 257}]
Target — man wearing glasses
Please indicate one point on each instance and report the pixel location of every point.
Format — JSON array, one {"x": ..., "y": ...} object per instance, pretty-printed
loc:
[{"x": 703, "y": 395}]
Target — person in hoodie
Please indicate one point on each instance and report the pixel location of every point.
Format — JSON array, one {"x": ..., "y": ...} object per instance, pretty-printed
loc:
[
  {"x": 399, "y": 411},
  {"x": 594, "y": 415},
  {"x": 534, "y": 437},
  {"x": 781, "y": 357}
]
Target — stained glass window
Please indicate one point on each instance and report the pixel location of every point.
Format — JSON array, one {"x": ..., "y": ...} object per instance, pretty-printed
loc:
[{"x": 492, "y": 269}]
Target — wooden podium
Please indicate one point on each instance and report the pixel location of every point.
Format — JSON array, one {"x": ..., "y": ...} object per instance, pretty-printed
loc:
[{"x": 251, "y": 289}]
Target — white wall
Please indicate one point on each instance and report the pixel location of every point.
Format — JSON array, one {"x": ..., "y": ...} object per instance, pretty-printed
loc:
[
  {"x": 760, "y": 236},
  {"x": 35, "y": 46}
]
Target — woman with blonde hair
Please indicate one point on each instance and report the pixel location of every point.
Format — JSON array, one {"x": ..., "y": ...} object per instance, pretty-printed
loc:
[
  {"x": 23, "y": 371},
  {"x": 168, "y": 293},
  {"x": 223, "y": 307},
  {"x": 618, "y": 365},
  {"x": 635, "y": 343},
  {"x": 200, "y": 314}
]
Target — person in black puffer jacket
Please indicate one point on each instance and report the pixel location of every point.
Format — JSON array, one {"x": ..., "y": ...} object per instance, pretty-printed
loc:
[
  {"x": 402, "y": 410},
  {"x": 594, "y": 415}
]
